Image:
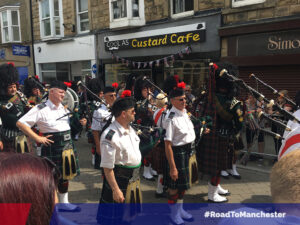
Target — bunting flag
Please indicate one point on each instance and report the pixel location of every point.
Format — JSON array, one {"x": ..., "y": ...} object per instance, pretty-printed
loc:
[
  {"x": 140, "y": 65},
  {"x": 173, "y": 58},
  {"x": 180, "y": 54},
  {"x": 157, "y": 62},
  {"x": 151, "y": 64},
  {"x": 166, "y": 62}
]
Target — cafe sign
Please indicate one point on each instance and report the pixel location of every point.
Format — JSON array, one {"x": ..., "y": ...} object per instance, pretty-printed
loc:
[{"x": 179, "y": 35}]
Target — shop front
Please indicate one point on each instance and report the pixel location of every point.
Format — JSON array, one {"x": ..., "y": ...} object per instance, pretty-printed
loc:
[
  {"x": 182, "y": 47},
  {"x": 271, "y": 51},
  {"x": 67, "y": 59}
]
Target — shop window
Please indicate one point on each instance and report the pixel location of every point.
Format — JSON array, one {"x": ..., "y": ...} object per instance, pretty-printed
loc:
[
  {"x": 86, "y": 68},
  {"x": 82, "y": 16},
  {"x": 240, "y": 3},
  {"x": 182, "y": 8},
  {"x": 10, "y": 24},
  {"x": 126, "y": 13},
  {"x": 51, "y": 19},
  {"x": 55, "y": 71}
]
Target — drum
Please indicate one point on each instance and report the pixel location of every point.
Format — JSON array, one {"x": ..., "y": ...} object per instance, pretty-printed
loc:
[{"x": 71, "y": 100}]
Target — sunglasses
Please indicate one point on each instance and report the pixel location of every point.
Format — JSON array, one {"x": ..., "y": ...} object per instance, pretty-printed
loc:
[
  {"x": 181, "y": 99},
  {"x": 131, "y": 111},
  {"x": 55, "y": 171}
]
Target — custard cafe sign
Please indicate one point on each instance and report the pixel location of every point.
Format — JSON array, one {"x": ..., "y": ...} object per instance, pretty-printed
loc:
[{"x": 186, "y": 34}]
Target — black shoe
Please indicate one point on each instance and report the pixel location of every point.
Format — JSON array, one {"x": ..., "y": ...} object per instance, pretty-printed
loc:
[
  {"x": 225, "y": 177},
  {"x": 149, "y": 179}
]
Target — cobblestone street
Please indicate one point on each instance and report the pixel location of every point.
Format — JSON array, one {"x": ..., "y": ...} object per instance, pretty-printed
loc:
[{"x": 254, "y": 187}]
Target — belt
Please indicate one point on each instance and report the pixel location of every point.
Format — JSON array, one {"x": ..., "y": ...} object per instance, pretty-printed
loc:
[
  {"x": 130, "y": 167},
  {"x": 186, "y": 146},
  {"x": 63, "y": 136}
]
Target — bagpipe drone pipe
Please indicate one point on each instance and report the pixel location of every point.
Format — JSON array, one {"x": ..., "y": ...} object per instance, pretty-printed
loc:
[
  {"x": 261, "y": 97},
  {"x": 149, "y": 136}
]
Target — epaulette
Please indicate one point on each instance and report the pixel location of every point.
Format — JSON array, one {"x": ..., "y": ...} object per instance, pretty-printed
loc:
[
  {"x": 234, "y": 102},
  {"x": 42, "y": 105},
  {"x": 110, "y": 135},
  {"x": 171, "y": 115}
]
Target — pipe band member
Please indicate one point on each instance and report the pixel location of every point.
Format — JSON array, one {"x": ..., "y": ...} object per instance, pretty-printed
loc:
[
  {"x": 121, "y": 161},
  {"x": 52, "y": 120},
  {"x": 12, "y": 107},
  {"x": 179, "y": 136}
]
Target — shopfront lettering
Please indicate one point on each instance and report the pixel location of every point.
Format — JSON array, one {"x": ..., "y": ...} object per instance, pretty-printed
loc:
[
  {"x": 278, "y": 43},
  {"x": 196, "y": 36}
]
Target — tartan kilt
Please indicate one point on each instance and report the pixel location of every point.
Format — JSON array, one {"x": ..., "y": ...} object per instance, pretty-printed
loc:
[
  {"x": 181, "y": 156},
  {"x": 212, "y": 160},
  {"x": 54, "y": 151},
  {"x": 158, "y": 159},
  {"x": 110, "y": 212}
]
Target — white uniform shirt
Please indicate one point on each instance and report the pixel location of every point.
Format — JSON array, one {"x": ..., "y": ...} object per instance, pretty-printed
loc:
[
  {"x": 46, "y": 118},
  {"x": 120, "y": 149},
  {"x": 162, "y": 118},
  {"x": 179, "y": 128},
  {"x": 99, "y": 118}
]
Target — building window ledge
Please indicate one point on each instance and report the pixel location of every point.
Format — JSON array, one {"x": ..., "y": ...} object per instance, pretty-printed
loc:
[
  {"x": 183, "y": 14},
  {"x": 126, "y": 22},
  {"x": 241, "y": 3}
]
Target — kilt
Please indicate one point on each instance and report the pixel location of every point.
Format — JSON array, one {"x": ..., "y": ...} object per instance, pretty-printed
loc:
[
  {"x": 9, "y": 145},
  {"x": 110, "y": 212},
  {"x": 181, "y": 156},
  {"x": 54, "y": 151},
  {"x": 158, "y": 158},
  {"x": 212, "y": 160}
]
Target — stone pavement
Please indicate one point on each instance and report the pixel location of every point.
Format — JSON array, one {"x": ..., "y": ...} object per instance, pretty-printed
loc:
[{"x": 254, "y": 187}]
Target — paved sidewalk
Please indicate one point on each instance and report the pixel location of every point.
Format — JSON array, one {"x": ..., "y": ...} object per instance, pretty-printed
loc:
[{"x": 254, "y": 187}]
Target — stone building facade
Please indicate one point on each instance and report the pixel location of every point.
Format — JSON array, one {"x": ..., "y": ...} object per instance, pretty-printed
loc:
[
  {"x": 263, "y": 39},
  {"x": 15, "y": 35}
]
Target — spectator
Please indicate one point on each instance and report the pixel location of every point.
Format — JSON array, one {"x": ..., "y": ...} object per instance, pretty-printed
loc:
[
  {"x": 25, "y": 178},
  {"x": 285, "y": 178}
]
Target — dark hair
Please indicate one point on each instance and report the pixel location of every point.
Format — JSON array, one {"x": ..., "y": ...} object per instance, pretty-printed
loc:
[{"x": 25, "y": 178}]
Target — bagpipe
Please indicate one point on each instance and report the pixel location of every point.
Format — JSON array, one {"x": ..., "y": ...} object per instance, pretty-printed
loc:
[
  {"x": 259, "y": 96},
  {"x": 275, "y": 92},
  {"x": 152, "y": 136}
]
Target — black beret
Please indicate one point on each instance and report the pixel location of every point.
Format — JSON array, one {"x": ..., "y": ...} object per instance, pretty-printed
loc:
[
  {"x": 122, "y": 104},
  {"x": 108, "y": 89},
  {"x": 58, "y": 84},
  {"x": 176, "y": 92}
]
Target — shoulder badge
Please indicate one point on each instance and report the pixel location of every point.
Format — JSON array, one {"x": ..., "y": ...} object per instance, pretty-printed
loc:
[
  {"x": 234, "y": 102},
  {"x": 42, "y": 105},
  {"x": 110, "y": 135},
  {"x": 171, "y": 115}
]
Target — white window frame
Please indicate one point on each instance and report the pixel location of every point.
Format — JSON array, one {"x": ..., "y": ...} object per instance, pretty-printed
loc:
[
  {"x": 180, "y": 15},
  {"x": 52, "y": 17},
  {"x": 128, "y": 21},
  {"x": 78, "y": 18},
  {"x": 241, "y": 3},
  {"x": 8, "y": 10}
]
